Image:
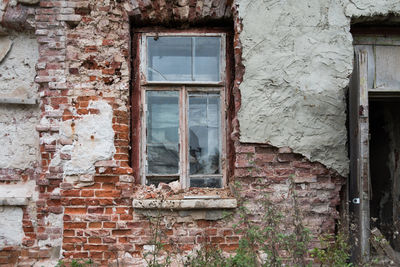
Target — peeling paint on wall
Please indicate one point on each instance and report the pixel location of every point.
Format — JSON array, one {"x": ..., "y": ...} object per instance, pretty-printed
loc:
[
  {"x": 92, "y": 139},
  {"x": 298, "y": 57}
]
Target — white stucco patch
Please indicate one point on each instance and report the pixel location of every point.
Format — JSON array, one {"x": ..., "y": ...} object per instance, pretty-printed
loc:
[
  {"x": 298, "y": 58},
  {"x": 18, "y": 137},
  {"x": 93, "y": 139},
  {"x": 11, "y": 232}
]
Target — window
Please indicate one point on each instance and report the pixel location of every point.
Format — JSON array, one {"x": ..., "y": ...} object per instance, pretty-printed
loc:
[{"x": 183, "y": 119}]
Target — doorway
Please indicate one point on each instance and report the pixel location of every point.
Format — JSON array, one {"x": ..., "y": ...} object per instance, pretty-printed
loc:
[
  {"x": 374, "y": 133},
  {"x": 384, "y": 125}
]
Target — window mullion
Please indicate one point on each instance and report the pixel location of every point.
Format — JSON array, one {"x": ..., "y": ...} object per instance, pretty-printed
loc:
[
  {"x": 144, "y": 137},
  {"x": 193, "y": 56},
  {"x": 183, "y": 138}
]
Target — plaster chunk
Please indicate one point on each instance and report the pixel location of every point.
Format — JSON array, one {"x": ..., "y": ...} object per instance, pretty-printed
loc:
[
  {"x": 11, "y": 232},
  {"x": 93, "y": 139},
  {"x": 296, "y": 73}
]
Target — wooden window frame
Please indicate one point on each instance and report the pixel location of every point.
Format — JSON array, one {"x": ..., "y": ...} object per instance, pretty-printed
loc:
[{"x": 184, "y": 88}]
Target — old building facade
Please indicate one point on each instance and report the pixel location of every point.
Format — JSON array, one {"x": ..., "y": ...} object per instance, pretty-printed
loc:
[{"x": 74, "y": 163}]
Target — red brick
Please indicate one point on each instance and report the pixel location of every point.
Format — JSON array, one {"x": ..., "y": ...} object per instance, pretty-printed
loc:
[
  {"x": 90, "y": 49},
  {"x": 95, "y": 255},
  {"x": 109, "y": 224},
  {"x": 121, "y": 232},
  {"x": 94, "y": 240},
  {"x": 210, "y": 232},
  {"x": 87, "y": 193},
  {"x": 96, "y": 210},
  {"x": 74, "y": 239},
  {"x": 74, "y": 225},
  {"x": 75, "y": 210},
  {"x": 107, "y": 193},
  {"x": 70, "y": 193},
  {"x": 229, "y": 247},
  {"x": 217, "y": 239},
  {"x": 77, "y": 202},
  {"x": 95, "y": 247},
  {"x": 95, "y": 225}
]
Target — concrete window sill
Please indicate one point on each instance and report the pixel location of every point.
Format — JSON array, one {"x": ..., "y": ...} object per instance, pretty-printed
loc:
[{"x": 185, "y": 204}]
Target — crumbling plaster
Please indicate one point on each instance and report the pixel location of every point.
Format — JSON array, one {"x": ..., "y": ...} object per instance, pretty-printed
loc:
[
  {"x": 298, "y": 58},
  {"x": 91, "y": 137}
]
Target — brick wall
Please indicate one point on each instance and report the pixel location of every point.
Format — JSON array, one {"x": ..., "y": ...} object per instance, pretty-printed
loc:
[{"x": 84, "y": 60}]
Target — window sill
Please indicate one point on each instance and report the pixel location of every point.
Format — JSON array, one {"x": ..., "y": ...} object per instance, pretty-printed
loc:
[{"x": 185, "y": 204}]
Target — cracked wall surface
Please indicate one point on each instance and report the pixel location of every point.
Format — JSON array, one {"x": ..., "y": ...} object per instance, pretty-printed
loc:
[{"x": 298, "y": 58}]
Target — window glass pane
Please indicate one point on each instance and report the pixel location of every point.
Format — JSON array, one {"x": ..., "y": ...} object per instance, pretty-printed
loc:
[
  {"x": 215, "y": 182},
  {"x": 169, "y": 58},
  {"x": 204, "y": 134},
  {"x": 176, "y": 58},
  {"x": 206, "y": 58},
  {"x": 162, "y": 132},
  {"x": 157, "y": 180}
]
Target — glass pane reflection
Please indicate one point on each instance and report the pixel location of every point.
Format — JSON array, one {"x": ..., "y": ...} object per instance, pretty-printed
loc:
[
  {"x": 204, "y": 134},
  {"x": 206, "y": 59},
  {"x": 162, "y": 132},
  {"x": 176, "y": 58},
  {"x": 169, "y": 58}
]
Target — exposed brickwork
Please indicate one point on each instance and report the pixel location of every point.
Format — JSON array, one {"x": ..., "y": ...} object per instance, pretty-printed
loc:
[
  {"x": 85, "y": 58},
  {"x": 264, "y": 168}
]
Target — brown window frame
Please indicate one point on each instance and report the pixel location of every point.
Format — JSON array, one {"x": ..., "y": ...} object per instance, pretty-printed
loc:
[{"x": 141, "y": 85}]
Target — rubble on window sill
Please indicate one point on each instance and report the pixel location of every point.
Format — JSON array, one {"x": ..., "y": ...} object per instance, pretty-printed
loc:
[
  {"x": 173, "y": 190},
  {"x": 171, "y": 196},
  {"x": 185, "y": 204}
]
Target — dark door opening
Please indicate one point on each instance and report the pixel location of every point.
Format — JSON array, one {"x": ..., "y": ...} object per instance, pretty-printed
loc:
[{"x": 384, "y": 126}]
